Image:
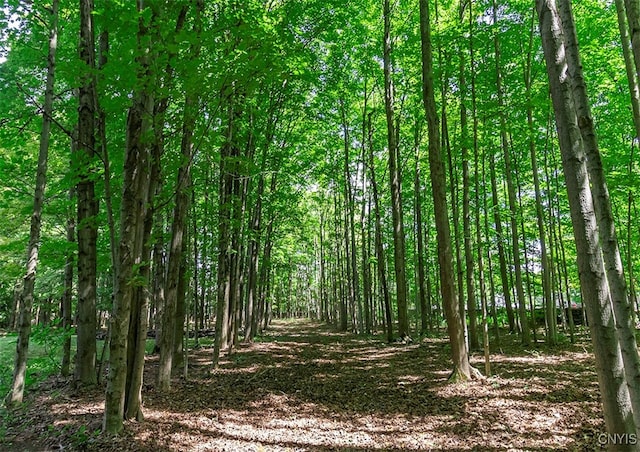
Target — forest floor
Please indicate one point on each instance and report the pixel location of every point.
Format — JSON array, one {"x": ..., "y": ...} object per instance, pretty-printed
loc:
[{"x": 303, "y": 387}]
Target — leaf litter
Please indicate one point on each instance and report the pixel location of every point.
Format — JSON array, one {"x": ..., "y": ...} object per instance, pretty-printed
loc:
[{"x": 303, "y": 387}]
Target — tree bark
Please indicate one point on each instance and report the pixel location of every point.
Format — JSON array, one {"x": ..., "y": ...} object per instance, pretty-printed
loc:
[
  {"x": 462, "y": 369},
  {"x": 133, "y": 214},
  {"x": 87, "y": 229},
  {"x": 420, "y": 248},
  {"x": 604, "y": 213},
  {"x": 226, "y": 252},
  {"x": 558, "y": 38},
  {"x": 179, "y": 224},
  {"x": 67, "y": 295},
  {"x": 544, "y": 258},
  {"x": 396, "y": 181},
  {"x": 382, "y": 275},
  {"x": 474, "y": 344},
  {"x": 15, "y": 395},
  {"x": 524, "y": 325}
]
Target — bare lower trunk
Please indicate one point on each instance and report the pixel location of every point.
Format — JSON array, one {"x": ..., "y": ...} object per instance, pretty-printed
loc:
[
  {"x": 462, "y": 369},
  {"x": 131, "y": 253},
  {"x": 558, "y": 37},
  {"x": 604, "y": 215},
  {"x": 26, "y": 301},
  {"x": 87, "y": 230},
  {"x": 67, "y": 295},
  {"x": 396, "y": 181}
]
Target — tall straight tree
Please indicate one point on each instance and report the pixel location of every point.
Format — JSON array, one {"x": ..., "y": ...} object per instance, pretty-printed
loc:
[
  {"x": 549, "y": 301},
  {"x": 179, "y": 225},
  {"x": 511, "y": 192},
  {"x": 133, "y": 214},
  {"x": 474, "y": 344},
  {"x": 455, "y": 326},
  {"x": 229, "y": 152},
  {"x": 16, "y": 393},
  {"x": 420, "y": 245},
  {"x": 395, "y": 179},
  {"x": 350, "y": 232},
  {"x": 379, "y": 249},
  {"x": 87, "y": 229},
  {"x": 563, "y": 65},
  {"x": 67, "y": 294},
  {"x": 604, "y": 214}
]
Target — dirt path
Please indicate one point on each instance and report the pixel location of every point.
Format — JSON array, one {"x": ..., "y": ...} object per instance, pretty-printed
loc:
[{"x": 303, "y": 387}]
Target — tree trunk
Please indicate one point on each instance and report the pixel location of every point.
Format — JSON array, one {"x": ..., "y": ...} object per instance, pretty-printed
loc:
[
  {"x": 133, "y": 215},
  {"x": 250, "y": 322},
  {"x": 15, "y": 395},
  {"x": 179, "y": 227},
  {"x": 67, "y": 295},
  {"x": 604, "y": 213},
  {"x": 382, "y": 275},
  {"x": 420, "y": 249},
  {"x": 558, "y": 38},
  {"x": 524, "y": 325},
  {"x": 544, "y": 258},
  {"x": 462, "y": 369},
  {"x": 350, "y": 236},
  {"x": 396, "y": 181},
  {"x": 632, "y": 78},
  {"x": 226, "y": 252},
  {"x": 633, "y": 16},
  {"x": 85, "y": 371},
  {"x": 466, "y": 198}
]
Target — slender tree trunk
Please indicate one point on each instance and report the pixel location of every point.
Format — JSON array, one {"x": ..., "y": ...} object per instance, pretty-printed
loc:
[
  {"x": 226, "y": 252},
  {"x": 133, "y": 216},
  {"x": 546, "y": 271},
  {"x": 396, "y": 181},
  {"x": 630, "y": 243},
  {"x": 265, "y": 268},
  {"x": 15, "y": 395},
  {"x": 455, "y": 212},
  {"x": 420, "y": 248},
  {"x": 462, "y": 369},
  {"x": 558, "y": 38},
  {"x": 466, "y": 198},
  {"x": 478, "y": 229},
  {"x": 524, "y": 326},
  {"x": 67, "y": 295},
  {"x": 101, "y": 128},
  {"x": 181, "y": 307},
  {"x": 504, "y": 278},
  {"x": 633, "y": 17},
  {"x": 254, "y": 252},
  {"x": 85, "y": 371},
  {"x": 179, "y": 225},
  {"x": 382, "y": 275}
]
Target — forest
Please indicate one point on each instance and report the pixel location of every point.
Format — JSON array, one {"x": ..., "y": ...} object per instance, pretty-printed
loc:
[{"x": 319, "y": 225}]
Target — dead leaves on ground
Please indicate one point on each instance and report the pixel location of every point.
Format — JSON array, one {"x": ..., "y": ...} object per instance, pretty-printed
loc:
[{"x": 304, "y": 387}]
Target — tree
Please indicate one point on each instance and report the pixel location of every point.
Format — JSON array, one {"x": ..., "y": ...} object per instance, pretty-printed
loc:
[
  {"x": 87, "y": 228},
  {"x": 395, "y": 179},
  {"x": 122, "y": 392},
  {"x": 560, "y": 49},
  {"x": 26, "y": 300},
  {"x": 179, "y": 224},
  {"x": 462, "y": 369}
]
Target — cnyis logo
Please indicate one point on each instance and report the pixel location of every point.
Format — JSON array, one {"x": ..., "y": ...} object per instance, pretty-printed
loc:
[{"x": 620, "y": 439}]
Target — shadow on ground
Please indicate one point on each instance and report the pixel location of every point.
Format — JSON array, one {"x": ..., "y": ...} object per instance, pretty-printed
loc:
[{"x": 304, "y": 387}]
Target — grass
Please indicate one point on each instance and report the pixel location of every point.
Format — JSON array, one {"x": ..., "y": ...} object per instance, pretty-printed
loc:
[{"x": 45, "y": 354}]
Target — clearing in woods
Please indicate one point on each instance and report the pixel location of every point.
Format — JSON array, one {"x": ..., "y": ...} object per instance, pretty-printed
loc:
[{"x": 304, "y": 387}]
